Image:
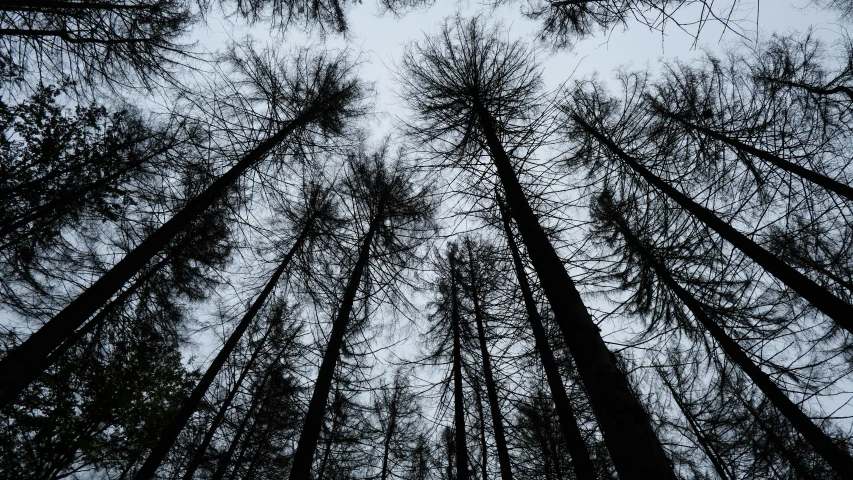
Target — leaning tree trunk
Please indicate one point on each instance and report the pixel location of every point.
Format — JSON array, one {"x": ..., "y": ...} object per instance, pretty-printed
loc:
[
  {"x": 810, "y": 175},
  {"x": 790, "y": 456},
  {"x": 97, "y": 319},
  {"x": 225, "y": 461},
  {"x": 819, "y": 297},
  {"x": 22, "y": 365},
  {"x": 833, "y": 453},
  {"x": 304, "y": 455},
  {"x": 634, "y": 447},
  {"x": 581, "y": 461},
  {"x": 171, "y": 432},
  {"x": 198, "y": 456},
  {"x": 491, "y": 389},
  {"x": 710, "y": 452},
  {"x": 458, "y": 399}
]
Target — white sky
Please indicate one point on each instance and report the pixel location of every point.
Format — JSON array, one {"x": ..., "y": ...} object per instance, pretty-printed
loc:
[{"x": 380, "y": 40}]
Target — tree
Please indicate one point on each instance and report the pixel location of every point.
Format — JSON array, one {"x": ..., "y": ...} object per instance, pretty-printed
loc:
[
  {"x": 63, "y": 171},
  {"x": 467, "y": 85},
  {"x": 821, "y": 298},
  {"x": 319, "y": 211},
  {"x": 322, "y": 94},
  {"x": 397, "y": 416},
  {"x": 541, "y": 444},
  {"x": 612, "y": 215},
  {"x": 475, "y": 283},
  {"x": 393, "y": 215},
  {"x": 581, "y": 461},
  {"x": 95, "y": 408}
]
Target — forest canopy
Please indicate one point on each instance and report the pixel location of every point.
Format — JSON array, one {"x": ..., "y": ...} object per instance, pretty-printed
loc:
[{"x": 239, "y": 240}]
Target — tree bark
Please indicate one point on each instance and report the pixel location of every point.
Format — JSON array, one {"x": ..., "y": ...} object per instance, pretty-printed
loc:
[
  {"x": 171, "y": 432},
  {"x": 484, "y": 450},
  {"x": 304, "y": 455},
  {"x": 819, "y": 297},
  {"x": 581, "y": 461},
  {"x": 634, "y": 447},
  {"x": 21, "y": 365},
  {"x": 820, "y": 441},
  {"x": 491, "y": 389}
]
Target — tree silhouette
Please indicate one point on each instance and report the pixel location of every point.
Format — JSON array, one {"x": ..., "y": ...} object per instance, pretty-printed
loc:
[
  {"x": 397, "y": 215},
  {"x": 467, "y": 86},
  {"x": 321, "y": 92}
]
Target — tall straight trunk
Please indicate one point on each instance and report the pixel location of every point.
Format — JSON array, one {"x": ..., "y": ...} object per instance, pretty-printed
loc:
[
  {"x": 458, "y": 398},
  {"x": 581, "y": 461},
  {"x": 481, "y": 415},
  {"x": 819, "y": 297},
  {"x": 389, "y": 435},
  {"x": 634, "y": 447},
  {"x": 704, "y": 443},
  {"x": 833, "y": 453},
  {"x": 22, "y": 364},
  {"x": 845, "y": 191},
  {"x": 245, "y": 448},
  {"x": 491, "y": 389},
  {"x": 198, "y": 456},
  {"x": 304, "y": 455},
  {"x": 333, "y": 432},
  {"x": 171, "y": 432},
  {"x": 253, "y": 464}
]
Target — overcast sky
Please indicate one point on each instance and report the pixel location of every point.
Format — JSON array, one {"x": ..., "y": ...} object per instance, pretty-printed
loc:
[{"x": 381, "y": 39}]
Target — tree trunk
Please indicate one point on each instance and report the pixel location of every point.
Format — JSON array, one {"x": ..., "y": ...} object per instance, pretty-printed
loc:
[
  {"x": 634, "y": 448},
  {"x": 225, "y": 461},
  {"x": 484, "y": 450},
  {"x": 97, "y": 319},
  {"x": 710, "y": 452},
  {"x": 458, "y": 399},
  {"x": 822, "y": 443},
  {"x": 491, "y": 389},
  {"x": 327, "y": 452},
  {"x": 386, "y": 444},
  {"x": 198, "y": 456},
  {"x": 21, "y": 365},
  {"x": 818, "y": 179},
  {"x": 796, "y": 464},
  {"x": 819, "y": 297},
  {"x": 581, "y": 461},
  {"x": 304, "y": 455},
  {"x": 171, "y": 432}
]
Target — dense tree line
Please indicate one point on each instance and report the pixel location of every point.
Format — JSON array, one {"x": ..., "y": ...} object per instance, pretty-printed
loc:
[{"x": 647, "y": 277}]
